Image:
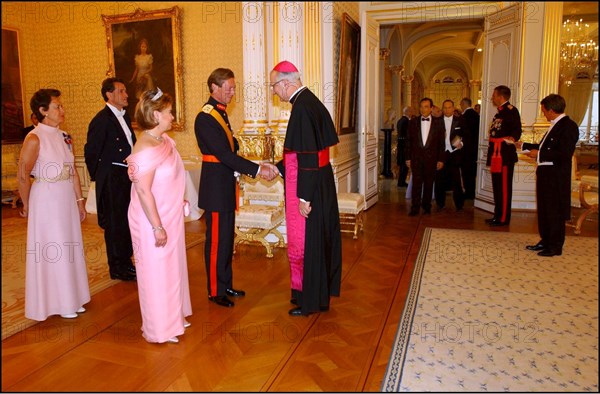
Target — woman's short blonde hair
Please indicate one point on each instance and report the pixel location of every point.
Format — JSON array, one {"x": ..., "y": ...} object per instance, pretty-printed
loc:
[{"x": 144, "y": 111}]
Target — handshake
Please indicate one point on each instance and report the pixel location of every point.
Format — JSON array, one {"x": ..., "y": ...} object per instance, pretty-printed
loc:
[{"x": 268, "y": 171}]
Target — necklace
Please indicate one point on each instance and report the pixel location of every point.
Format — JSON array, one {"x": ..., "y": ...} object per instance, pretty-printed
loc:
[{"x": 153, "y": 136}]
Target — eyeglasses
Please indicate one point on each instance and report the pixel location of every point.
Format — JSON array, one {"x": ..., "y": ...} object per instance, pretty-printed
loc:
[{"x": 275, "y": 83}]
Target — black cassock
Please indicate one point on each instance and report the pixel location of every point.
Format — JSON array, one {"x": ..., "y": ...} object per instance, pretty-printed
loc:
[{"x": 309, "y": 135}]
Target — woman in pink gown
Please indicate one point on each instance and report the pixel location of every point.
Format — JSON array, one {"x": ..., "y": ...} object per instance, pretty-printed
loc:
[
  {"x": 156, "y": 222},
  {"x": 56, "y": 281}
]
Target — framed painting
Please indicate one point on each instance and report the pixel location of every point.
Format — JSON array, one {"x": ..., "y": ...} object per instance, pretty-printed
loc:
[
  {"x": 144, "y": 50},
  {"x": 348, "y": 76},
  {"x": 12, "y": 91}
]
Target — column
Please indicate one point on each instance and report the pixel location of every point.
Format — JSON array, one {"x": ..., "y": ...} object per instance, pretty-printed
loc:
[
  {"x": 475, "y": 88},
  {"x": 407, "y": 92},
  {"x": 255, "y": 83},
  {"x": 290, "y": 39}
]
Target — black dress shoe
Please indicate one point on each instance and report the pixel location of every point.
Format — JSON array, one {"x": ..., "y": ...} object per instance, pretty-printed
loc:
[
  {"x": 426, "y": 211},
  {"x": 535, "y": 247},
  {"x": 125, "y": 276},
  {"x": 550, "y": 252},
  {"x": 490, "y": 220},
  {"x": 235, "y": 293},
  {"x": 221, "y": 300},
  {"x": 297, "y": 311},
  {"x": 497, "y": 223},
  {"x": 413, "y": 213},
  {"x": 131, "y": 269}
]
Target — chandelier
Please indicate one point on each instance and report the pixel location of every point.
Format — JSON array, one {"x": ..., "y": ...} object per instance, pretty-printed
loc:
[{"x": 578, "y": 52}]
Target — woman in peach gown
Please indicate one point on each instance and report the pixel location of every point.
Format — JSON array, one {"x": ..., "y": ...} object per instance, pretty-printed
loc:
[
  {"x": 156, "y": 222},
  {"x": 56, "y": 281}
]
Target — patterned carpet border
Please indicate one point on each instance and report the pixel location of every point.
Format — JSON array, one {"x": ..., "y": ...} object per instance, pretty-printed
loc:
[
  {"x": 14, "y": 238},
  {"x": 532, "y": 321}
]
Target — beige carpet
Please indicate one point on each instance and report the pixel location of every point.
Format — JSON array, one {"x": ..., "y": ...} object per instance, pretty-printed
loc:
[
  {"x": 484, "y": 314},
  {"x": 14, "y": 247}
]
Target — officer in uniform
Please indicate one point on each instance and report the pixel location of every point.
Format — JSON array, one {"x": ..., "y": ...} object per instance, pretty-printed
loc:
[
  {"x": 220, "y": 168},
  {"x": 502, "y": 154}
]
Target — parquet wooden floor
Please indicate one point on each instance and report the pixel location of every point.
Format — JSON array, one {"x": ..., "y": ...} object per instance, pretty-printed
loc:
[{"x": 256, "y": 345}]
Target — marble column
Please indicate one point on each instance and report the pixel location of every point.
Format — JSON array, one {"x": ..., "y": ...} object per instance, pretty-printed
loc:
[
  {"x": 255, "y": 83},
  {"x": 290, "y": 47}
]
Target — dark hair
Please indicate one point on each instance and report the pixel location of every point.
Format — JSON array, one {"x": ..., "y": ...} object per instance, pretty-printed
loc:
[
  {"x": 448, "y": 101},
  {"x": 427, "y": 99},
  {"x": 140, "y": 46},
  {"x": 144, "y": 110},
  {"x": 555, "y": 103},
  {"x": 42, "y": 98},
  {"x": 108, "y": 85},
  {"x": 467, "y": 101},
  {"x": 503, "y": 91},
  {"x": 219, "y": 76}
]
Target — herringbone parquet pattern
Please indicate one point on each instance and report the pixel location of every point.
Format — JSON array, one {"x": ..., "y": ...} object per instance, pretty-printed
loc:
[{"x": 256, "y": 345}]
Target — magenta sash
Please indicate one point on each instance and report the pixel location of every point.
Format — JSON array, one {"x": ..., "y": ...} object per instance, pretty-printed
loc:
[{"x": 295, "y": 223}]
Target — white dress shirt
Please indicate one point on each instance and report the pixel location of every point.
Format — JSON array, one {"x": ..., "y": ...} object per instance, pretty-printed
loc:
[
  {"x": 119, "y": 114},
  {"x": 552, "y": 123},
  {"x": 448, "y": 123},
  {"x": 425, "y": 126}
]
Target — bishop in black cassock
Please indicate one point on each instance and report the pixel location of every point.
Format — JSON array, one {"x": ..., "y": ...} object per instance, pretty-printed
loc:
[{"x": 312, "y": 214}]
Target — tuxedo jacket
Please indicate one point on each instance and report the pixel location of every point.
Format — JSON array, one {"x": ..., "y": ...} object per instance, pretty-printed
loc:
[
  {"x": 106, "y": 144},
  {"x": 471, "y": 134},
  {"x": 558, "y": 148},
  {"x": 434, "y": 148},
  {"x": 457, "y": 129}
]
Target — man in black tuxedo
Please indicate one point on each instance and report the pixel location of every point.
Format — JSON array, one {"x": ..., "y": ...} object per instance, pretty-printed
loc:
[
  {"x": 553, "y": 175},
  {"x": 449, "y": 174},
  {"x": 424, "y": 155},
  {"x": 34, "y": 122},
  {"x": 110, "y": 140},
  {"x": 402, "y": 128},
  {"x": 471, "y": 144}
]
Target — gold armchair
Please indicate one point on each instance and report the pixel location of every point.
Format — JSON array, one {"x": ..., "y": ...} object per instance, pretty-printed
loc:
[
  {"x": 584, "y": 195},
  {"x": 261, "y": 213}
]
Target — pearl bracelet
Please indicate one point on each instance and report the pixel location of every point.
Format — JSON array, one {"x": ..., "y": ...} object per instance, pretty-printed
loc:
[{"x": 157, "y": 228}]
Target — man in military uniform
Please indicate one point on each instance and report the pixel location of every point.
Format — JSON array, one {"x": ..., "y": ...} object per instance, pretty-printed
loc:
[
  {"x": 502, "y": 154},
  {"x": 220, "y": 167}
]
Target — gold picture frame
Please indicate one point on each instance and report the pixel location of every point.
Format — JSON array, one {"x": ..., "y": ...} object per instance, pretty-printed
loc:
[
  {"x": 348, "y": 76},
  {"x": 156, "y": 65}
]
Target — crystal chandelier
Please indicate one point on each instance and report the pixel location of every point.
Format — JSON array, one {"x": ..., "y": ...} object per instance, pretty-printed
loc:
[{"x": 579, "y": 52}]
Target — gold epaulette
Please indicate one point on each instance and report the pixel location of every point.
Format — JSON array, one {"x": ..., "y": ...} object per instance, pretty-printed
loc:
[{"x": 207, "y": 108}]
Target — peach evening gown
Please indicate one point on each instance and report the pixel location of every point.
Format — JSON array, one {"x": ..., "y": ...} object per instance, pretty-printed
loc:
[{"x": 162, "y": 275}]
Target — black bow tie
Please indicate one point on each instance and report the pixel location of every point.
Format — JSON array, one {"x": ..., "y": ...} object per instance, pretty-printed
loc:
[{"x": 425, "y": 119}]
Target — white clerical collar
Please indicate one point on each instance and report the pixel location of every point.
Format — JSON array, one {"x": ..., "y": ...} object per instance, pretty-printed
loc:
[
  {"x": 559, "y": 117},
  {"x": 116, "y": 111},
  {"x": 297, "y": 91}
]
